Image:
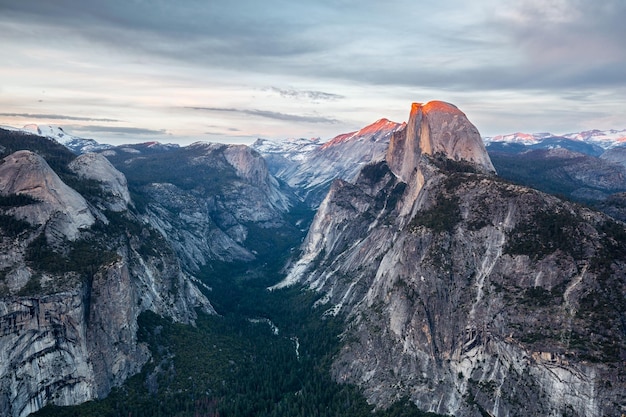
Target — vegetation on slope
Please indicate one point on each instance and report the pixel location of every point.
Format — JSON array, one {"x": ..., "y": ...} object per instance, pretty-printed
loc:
[{"x": 235, "y": 364}]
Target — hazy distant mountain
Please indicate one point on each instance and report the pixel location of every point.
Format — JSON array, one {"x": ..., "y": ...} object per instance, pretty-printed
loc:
[
  {"x": 309, "y": 167},
  {"x": 210, "y": 200},
  {"x": 587, "y": 166},
  {"x": 76, "y": 144},
  {"x": 604, "y": 139},
  {"x": 560, "y": 171}
]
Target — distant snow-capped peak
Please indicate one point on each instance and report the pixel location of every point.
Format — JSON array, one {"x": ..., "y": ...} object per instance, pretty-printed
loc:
[
  {"x": 519, "y": 137},
  {"x": 74, "y": 143},
  {"x": 292, "y": 149},
  {"x": 604, "y": 138}
]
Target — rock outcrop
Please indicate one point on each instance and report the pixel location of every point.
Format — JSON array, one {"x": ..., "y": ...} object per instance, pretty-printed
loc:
[
  {"x": 74, "y": 281},
  {"x": 310, "y": 167},
  {"x": 62, "y": 209},
  {"x": 96, "y": 167},
  {"x": 466, "y": 294},
  {"x": 436, "y": 128}
]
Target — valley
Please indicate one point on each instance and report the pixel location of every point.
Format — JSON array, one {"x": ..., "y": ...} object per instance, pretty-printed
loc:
[{"x": 402, "y": 269}]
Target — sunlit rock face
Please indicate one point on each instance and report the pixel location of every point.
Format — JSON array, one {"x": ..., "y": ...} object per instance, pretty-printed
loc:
[
  {"x": 466, "y": 294},
  {"x": 436, "y": 128}
]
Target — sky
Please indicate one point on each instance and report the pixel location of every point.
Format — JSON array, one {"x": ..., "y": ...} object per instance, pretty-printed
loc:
[{"x": 126, "y": 71}]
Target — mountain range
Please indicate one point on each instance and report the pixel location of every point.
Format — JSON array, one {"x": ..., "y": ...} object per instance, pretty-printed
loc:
[{"x": 402, "y": 269}]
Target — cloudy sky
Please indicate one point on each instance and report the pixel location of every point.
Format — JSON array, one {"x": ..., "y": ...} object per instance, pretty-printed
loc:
[{"x": 233, "y": 70}]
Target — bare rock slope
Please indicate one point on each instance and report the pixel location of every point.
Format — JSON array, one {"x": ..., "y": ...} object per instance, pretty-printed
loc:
[
  {"x": 466, "y": 294},
  {"x": 76, "y": 270},
  {"x": 210, "y": 201},
  {"x": 310, "y": 167}
]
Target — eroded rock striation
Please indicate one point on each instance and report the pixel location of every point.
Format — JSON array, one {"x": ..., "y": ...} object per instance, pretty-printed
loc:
[{"x": 466, "y": 294}]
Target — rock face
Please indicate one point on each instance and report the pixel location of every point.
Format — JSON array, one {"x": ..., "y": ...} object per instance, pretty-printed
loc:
[
  {"x": 466, "y": 294},
  {"x": 436, "y": 128},
  {"x": 73, "y": 281},
  {"x": 95, "y": 167},
  {"x": 209, "y": 202},
  {"x": 309, "y": 167},
  {"x": 64, "y": 210}
]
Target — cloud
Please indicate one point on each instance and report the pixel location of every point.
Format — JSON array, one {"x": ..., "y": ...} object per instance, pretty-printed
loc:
[
  {"x": 566, "y": 43},
  {"x": 120, "y": 130},
  {"x": 488, "y": 44},
  {"x": 218, "y": 33},
  {"x": 357, "y": 58},
  {"x": 56, "y": 117},
  {"x": 270, "y": 115},
  {"x": 305, "y": 94}
]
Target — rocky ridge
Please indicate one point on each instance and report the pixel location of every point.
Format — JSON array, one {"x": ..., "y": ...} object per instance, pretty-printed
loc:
[
  {"x": 605, "y": 139},
  {"x": 469, "y": 295},
  {"x": 559, "y": 170},
  {"x": 309, "y": 167},
  {"x": 76, "y": 144},
  {"x": 76, "y": 271},
  {"x": 211, "y": 202}
]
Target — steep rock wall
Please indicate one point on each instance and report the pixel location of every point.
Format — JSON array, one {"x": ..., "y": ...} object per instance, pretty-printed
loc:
[
  {"x": 466, "y": 294},
  {"x": 69, "y": 302}
]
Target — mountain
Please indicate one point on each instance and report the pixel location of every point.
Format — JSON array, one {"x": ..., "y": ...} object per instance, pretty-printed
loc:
[
  {"x": 587, "y": 167},
  {"x": 430, "y": 283},
  {"x": 212, "y": 202},
  {"x": 605, "y": 138},
  {"x": 576, "y": 175},
  {"x": 285, "y": 154},
  {"x": 592, "y": 139},
  {"x": 77, "y": 269},
  {"x": 615, "y": 155},
  {"x": 309, "y": 167},
  {"x": 546, "y": 144},
  {"x": 76, "y": 144},
  {"x": 467, "y": 294}
]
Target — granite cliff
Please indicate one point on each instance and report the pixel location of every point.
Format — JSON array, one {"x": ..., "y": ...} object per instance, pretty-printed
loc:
[
  {"x": 212, "y": 202},
  {"x": 90, "y": 242},
  {"x": 76, "y": 270},
  {"x": 462, "y": 292}
]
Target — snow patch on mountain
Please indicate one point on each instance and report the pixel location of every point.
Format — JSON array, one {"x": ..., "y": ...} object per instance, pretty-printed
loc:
[
  {"x": 606, "y": 139},
  {"x": 310, "y": 165},
  {"x": 291, "y": 149},
  {"x": 76, "y": 144}
]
